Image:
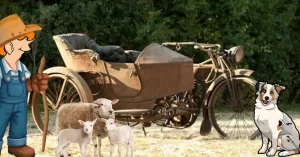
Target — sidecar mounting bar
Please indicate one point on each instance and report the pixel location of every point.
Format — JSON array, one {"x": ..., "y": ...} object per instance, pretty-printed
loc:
[{"x": 150, "y": 117}]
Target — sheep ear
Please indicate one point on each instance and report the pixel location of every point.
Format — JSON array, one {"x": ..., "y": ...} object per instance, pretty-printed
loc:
[
  {"x": 94, "y": 121},
  {"x": 103, "y": 120},
  {"x": 114, "y": 101},
  {"x": 81, "y": 122},
  {"x": 116, "y": 121},
  {"x": 279, "y": 88}
]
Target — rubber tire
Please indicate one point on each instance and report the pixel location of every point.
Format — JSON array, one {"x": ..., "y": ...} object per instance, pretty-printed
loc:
[{"x": 211, "y": 106}]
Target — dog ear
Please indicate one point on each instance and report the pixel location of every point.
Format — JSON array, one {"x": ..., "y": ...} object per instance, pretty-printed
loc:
[
  {"x": 259, "y": 85},
  {"x": 279, "y": 88}
]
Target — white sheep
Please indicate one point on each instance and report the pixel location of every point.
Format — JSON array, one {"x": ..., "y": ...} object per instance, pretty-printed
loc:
[
  {"x": 68, "y": 115},
  {"x": 82, "y": 136},
  {"x": 119, "y": 135}
]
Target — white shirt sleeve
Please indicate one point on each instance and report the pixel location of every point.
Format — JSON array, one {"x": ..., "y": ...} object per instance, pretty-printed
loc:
[{"x": 27, "y": 73}]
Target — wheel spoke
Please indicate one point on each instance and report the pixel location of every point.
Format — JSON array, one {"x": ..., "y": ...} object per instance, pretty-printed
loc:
[
  {"x": 245, "y": 126},
  {"x": 234, "y": 127},
  {"x": 61, "y": 92},
  {"x": 70, "y": 93},
  {"x": 225, "y": 122},
  {"x": 56, "y": 88},
  {"x": 51, "y": 93},
  {"x": 245, "y": 121},
  {"x": 75, "y": 96},
  {"x": 52, "y": 104},
  {"x": 72, "y": 96},
  {"x": 229, "y": 121}
]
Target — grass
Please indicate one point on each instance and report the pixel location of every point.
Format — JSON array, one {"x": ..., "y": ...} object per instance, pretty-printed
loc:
[{"x": 160, "y": 142}]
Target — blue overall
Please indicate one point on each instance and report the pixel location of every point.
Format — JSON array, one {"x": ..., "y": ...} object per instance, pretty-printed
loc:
[{"x": 13, "y": 107}]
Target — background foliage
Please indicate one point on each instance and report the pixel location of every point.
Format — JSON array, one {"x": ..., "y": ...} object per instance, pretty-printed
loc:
[{"x": 269, "y": 30}]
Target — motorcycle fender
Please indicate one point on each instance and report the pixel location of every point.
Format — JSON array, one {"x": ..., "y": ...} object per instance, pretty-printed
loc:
[
  {"x": 237, "y": 72},
  {"x": 243, "y": 72}
]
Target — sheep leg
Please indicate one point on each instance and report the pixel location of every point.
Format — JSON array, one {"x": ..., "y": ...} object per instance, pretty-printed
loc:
[
  {"x": 112, "y": 148},
  {"x": 59, "y": 149},
  {"x": 131, "y": 147},
  {"x": 99, "y": 148},
  {"x": 58, "y": 154},
  {"x": 66, "y": 149},
  {"x": 65, "y": 153},
  {"x": 127, "y": 146},
  {"x": 83, "y": 149},
  {"x": 95, "y": 145},
  {"x": 120, "y": 149}
]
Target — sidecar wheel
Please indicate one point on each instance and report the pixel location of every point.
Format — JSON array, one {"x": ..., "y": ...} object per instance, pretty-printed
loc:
[{"x": 64, "y": 85}]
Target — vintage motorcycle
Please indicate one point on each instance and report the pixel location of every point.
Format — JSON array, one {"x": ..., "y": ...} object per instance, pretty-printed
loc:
[{"x": 225, "y": 94}]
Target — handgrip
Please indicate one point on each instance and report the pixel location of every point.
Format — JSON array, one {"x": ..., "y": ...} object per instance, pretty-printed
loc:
[
  {"x": 196, "y": 47},
  {"x": 204, "y": 47},
  {"x": 169, "y": 44}
]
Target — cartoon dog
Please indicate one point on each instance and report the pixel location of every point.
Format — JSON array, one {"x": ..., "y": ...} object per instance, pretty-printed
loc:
[{"x": 274, "y": 124}]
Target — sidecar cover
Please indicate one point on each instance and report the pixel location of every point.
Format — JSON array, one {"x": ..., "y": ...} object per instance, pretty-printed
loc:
[
  {"x": 155, "y": 53},
  {"x": 163, "y": 72}
]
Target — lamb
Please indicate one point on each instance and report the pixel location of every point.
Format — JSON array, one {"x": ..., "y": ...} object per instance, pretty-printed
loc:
[
  {"x": 68, "y": 115},
  {"x": 119, "y": 135},
  {"x": 82, "y": 136}
]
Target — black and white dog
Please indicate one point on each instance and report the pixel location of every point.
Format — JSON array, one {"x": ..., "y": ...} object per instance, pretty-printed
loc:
[{"x": 274, "y": 124}]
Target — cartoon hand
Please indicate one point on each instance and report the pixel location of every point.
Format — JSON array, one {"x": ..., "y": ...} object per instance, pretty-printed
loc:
[{"x": 38, "y": 83}]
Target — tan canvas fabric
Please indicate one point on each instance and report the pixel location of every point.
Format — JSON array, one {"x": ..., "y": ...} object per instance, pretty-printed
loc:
[{"x": 111, "y": 53}]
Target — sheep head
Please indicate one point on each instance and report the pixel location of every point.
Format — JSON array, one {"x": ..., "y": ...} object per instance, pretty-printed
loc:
[
  {"x": 110, "y": 124},
  {"x": 87, "y": 125},
  {"x": 104, "y": 107}
]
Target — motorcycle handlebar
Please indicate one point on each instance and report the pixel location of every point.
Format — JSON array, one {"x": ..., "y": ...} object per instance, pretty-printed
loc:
[{"x": 200, "y": 46}]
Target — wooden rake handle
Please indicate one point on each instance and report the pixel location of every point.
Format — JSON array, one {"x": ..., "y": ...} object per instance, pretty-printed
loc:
[{"x": 46, "y": 117}]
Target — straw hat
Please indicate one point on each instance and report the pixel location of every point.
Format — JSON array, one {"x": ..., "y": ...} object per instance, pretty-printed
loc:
[{"x": 12, "y": 27}]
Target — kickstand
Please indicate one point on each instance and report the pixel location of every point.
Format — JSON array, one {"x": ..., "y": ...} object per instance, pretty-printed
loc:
[{"x": 144, "y": 131}]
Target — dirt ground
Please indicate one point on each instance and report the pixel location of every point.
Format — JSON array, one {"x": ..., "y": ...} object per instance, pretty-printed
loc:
[{"x": 160, "y": 142}]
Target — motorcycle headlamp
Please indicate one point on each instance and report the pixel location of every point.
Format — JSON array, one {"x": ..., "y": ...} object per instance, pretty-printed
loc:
[{"x": 236, "y": 54}]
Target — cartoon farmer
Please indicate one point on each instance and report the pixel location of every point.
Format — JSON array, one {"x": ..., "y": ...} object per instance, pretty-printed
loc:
[{"x": 15, "y": 83}]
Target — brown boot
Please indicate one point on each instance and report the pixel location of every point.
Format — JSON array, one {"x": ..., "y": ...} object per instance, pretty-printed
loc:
[{"x": 22, "y": 151}]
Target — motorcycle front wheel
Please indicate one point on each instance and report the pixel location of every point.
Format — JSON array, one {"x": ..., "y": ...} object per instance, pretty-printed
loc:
[{"x": 231, "y": 110}]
